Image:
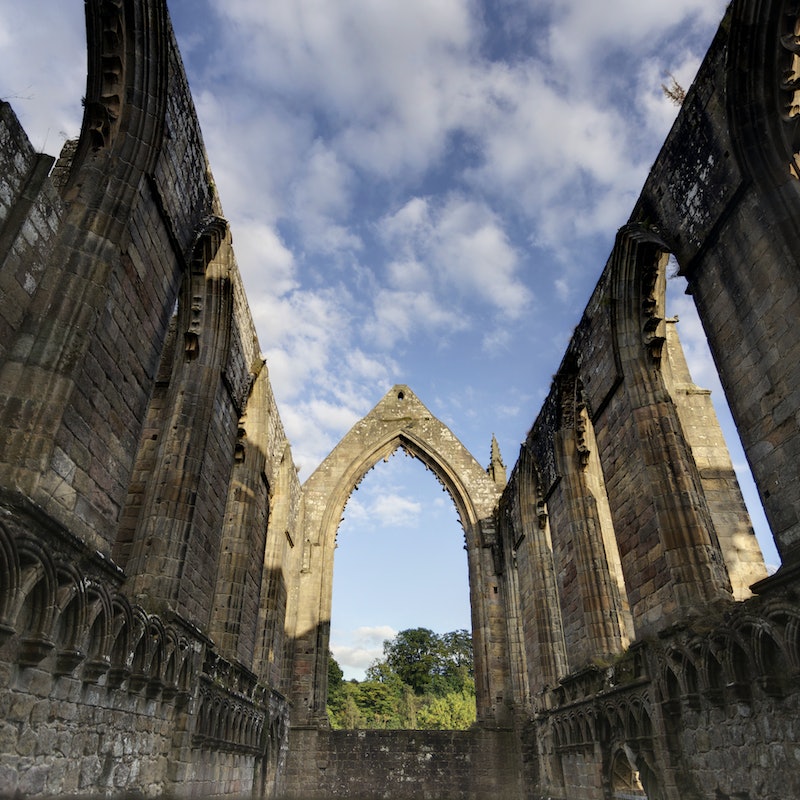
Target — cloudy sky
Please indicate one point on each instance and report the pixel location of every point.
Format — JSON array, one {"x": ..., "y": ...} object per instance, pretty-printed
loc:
[{"x": 420, "y": 192}]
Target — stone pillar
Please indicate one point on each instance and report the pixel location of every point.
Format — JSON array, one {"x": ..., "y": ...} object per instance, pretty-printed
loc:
[
  {"x": 239, "y": 572},
  {"x": 587, "y": 561},
  {"x": 527, "y": 536},
  {"x": 699, "y": 423}
]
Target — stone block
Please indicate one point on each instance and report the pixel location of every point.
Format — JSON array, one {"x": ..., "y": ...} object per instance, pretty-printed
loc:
[{"x": 33, "y": 780}]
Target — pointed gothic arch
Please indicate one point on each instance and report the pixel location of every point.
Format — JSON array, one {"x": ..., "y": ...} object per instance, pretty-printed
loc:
[{"x": 400, "y": 420}]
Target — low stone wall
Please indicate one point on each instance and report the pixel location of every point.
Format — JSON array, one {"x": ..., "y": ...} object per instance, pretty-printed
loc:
[{"x": 445, "y": 765}]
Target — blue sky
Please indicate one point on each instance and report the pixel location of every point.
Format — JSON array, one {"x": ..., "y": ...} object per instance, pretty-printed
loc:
[{"x": 420, "y": 192}]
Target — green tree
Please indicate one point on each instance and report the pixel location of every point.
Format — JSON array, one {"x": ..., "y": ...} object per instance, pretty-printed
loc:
[
  {"x": 455, "y": 667},
  {"x": 336, "y": 691},
  {"x": 424, "y": 680},
  {"x": 350, "y": 715},
  {"x": 413, "y": 655},
  {"x": 335, "y": 677},
  {"x": 380, "y": 703},
  {"x": 453, "y": 711}
]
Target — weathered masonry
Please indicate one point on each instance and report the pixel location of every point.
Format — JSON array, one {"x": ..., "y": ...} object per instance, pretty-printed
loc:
[{"x": 165, "y": 582}]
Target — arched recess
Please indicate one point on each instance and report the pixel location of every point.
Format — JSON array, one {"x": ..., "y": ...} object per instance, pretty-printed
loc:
[
  {"x": 175, "y": 545},
  {"x": 528, "y": 536},
  {"x": 400, "y": 420},
  {"x": 700, "y": 498},
  {"x": 592, "y": 592},
  {"x": 673, "y": 562},
  {"x": 240, "y": 568}
]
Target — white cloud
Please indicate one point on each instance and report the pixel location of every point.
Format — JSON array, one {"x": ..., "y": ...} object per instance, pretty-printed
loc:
[
  {"x": 363, "y": 367},
  {"x": 410, "y": 275},
  {"x": 43, "y": 72},
  {"x": 392, "y": 510},
  {"x": 381, "y": 508},
  {"x": 408, "y": 224},
  {"x": 471, "y": 246},
  {"x": 399, "y": 314},
  {"x": 496, "y": 340},
  {"x": 321, "y": 200},
  {"x": 464, "y": 250},
  {"x": 270, "y": 265},
  {"x": 581, "y": 30},
  {"x": 357, "y": 649},
  {"x": 254, "y": 150},
  {"x": 562, "y": 288},
  {"x": 380, "y": 72},
  {"x": 564, "y": 160}
]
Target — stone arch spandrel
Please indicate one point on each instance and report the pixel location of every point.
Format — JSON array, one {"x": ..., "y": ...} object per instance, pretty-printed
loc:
[{"x": 399, "y": 420}]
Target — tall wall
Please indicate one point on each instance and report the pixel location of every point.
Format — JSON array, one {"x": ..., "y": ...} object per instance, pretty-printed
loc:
[
  {"x": 147, "y": 488},
  {"x": 653, "y": 668}
]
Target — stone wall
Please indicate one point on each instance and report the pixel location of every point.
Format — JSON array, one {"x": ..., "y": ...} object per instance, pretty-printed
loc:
[
  {"x": 403, "y": 765},
  {"x": 707, "y": 710},
  {"x": 148, "y": 500}
]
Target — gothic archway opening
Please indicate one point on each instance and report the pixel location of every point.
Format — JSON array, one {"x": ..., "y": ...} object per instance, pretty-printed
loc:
[
  {"x": 400, "y": 575},
  {"x": 400, "y": 420}
]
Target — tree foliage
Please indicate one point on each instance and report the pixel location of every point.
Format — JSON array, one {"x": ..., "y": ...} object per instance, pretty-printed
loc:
[{"x": 424, "y": 680}]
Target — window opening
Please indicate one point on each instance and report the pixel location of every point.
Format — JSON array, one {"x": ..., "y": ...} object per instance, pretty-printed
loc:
[
  {"x": 400, "y": 568},
  {"x": 704, "y": 374}
]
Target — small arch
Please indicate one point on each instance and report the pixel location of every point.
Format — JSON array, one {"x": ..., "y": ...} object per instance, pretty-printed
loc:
[
  {"x": 775, "y": 673},
  {"x": 784, "y": 621},
  {"x": 171, "y": 665},
  {"x": 141, "y": 653},
  {"x": 670, "y": 691},
  {"x": 35, "y": 603},
  {"x": 121, "y": 651},
  {"x": 714, "y": 677},
  {"x": 740, "y": 668},
  {"x": 71, "y": 621},
  {"x": 624, "y": 780},
  {"x": 97, "y": 641},
  {"x": 9, "y": 582}
]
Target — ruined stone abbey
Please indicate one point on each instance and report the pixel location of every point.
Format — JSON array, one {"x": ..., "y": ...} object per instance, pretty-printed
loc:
[{"x": 165, "y": 580}]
